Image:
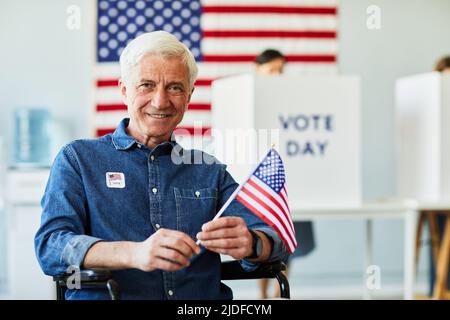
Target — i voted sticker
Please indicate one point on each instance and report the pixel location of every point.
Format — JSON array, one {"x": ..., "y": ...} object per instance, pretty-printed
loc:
[{"x": 115, "y": 180}]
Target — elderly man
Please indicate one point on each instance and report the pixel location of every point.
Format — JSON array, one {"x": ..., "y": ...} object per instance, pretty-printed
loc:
[{"x": 121, "y": 202}]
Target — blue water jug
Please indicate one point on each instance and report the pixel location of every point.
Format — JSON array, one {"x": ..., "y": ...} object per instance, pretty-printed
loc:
[{"x": 32, "y": 138}]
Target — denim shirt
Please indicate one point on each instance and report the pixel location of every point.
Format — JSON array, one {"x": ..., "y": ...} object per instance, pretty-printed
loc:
[{"x": 79, "y": 209}]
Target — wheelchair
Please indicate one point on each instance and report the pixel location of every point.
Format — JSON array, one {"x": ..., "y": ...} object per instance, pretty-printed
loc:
[{"x": 230, "y": 270}]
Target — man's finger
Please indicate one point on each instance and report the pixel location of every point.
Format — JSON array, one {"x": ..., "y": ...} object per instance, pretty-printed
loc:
[
  {"x": 167, "y": 265},
  {"x": 178, "y": 244},
  {"x": 217, "y": 234},
  {"x": 223, "y": 222},
  {"x": 173, "y": 256},
  {"x": 180, "y": 241},
  {"x": 223, "y": 243}
]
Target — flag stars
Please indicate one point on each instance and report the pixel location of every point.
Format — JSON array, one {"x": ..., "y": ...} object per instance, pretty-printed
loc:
[
  {"x": 176, "y": 5},
  {"x": 271, "y": 172},
  {"x": 125, "y": 20},
  {"x": 140, "y": 5}
]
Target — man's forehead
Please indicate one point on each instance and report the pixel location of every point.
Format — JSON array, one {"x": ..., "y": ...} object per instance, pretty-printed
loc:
[{"x": 157, "y": 65}]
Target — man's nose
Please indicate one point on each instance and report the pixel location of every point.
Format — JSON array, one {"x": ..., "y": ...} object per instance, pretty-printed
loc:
[{"x": 160, "y": 99}]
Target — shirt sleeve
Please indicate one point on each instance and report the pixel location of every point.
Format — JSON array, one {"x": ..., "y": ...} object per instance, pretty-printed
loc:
[
  {"x": 227, "y": 187},
  {"x": 61, "y": 240}
]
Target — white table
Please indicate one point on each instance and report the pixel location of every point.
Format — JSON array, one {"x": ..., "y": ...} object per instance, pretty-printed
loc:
[{"x": 406, "y": 210}]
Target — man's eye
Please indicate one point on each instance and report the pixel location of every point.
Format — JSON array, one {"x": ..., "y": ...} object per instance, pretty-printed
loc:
[
  {"x": 146, "y": 85},
  {"x": 176, "y": 89}
]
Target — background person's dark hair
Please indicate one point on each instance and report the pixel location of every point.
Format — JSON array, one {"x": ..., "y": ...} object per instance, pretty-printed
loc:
[
  {"x": 268, "y": 55},
  {"x": 442, "y": 64}
]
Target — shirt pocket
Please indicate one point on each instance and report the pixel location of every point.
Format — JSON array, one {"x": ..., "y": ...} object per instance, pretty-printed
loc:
[{"x": 194, "y": 208}]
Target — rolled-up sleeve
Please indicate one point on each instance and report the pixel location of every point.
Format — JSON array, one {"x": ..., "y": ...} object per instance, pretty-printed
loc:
[
  {"x": 61, "y": 240},
  {"x": 279, "y": 250}
]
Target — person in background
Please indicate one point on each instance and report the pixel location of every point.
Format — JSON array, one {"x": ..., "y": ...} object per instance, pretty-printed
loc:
[
  {"x": 443, "y": 66},
  {"x": 272, "y": 62}
]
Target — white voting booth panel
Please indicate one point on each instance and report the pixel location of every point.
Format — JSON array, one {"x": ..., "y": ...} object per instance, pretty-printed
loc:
[
  {"x": 423, "y": 136},
  {"x": 314, "y": 122}
]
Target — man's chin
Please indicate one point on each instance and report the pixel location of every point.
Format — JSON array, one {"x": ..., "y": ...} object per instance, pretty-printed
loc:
[
  {"x": 158, "y": 127},
  {"x": 158, "y": 131}
]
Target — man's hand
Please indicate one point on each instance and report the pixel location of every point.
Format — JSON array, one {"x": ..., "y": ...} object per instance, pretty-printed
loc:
[
  {"x": 227, "y": 235},
  {"x": 166, "y": 249}
]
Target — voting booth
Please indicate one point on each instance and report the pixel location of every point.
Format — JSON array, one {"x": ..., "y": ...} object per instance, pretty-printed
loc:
[
  {"x": 314, "y": 122},
  {"x": 423, "y": 136}
]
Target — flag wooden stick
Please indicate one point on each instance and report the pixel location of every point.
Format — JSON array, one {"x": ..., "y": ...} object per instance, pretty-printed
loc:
[{"x": 234, "y": 194}]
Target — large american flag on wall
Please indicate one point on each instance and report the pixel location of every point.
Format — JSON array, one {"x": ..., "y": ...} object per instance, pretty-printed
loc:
[{"x": 224, "y": 36}]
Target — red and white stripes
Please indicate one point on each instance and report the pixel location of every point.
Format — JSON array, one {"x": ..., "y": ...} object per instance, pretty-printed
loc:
[{"x": 271, "y": 207}]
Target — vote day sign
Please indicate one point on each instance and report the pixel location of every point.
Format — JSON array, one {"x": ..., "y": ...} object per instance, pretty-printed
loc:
[{"x": 315, "y": 123}]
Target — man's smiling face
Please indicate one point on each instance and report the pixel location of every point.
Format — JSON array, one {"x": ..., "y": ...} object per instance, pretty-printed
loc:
[{"x": 157, "y": 94}]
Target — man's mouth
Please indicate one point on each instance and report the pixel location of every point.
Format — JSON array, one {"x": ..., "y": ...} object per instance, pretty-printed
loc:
[{"x": 159, "y": 115}]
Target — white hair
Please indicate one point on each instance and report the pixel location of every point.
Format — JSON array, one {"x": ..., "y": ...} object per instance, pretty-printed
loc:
[{"x": 157, "y": 42}]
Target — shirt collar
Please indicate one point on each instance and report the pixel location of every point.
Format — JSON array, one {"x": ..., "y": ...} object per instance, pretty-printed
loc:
[{"x": 122, "y": 141}]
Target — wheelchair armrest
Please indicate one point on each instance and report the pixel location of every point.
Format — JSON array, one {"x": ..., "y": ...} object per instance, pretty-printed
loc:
[
  {"x": 95, "y": 275},
  {"x": 88, "y": 279},
  {"x": 87, "y": 275},
  {"x": 232, "y": 270}
]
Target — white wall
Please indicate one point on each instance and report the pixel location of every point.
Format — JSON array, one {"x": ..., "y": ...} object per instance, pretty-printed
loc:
[
  {"x": 45, "y": 64},
  {"x": 414, "y": 34}
]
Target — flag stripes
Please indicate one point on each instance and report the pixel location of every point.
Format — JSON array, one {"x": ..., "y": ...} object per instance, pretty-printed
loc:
[
  {"x": 264, "y": 194},
  {"x": 281, "y": 216}
]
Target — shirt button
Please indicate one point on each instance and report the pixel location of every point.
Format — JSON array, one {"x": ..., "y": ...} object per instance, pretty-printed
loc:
[
  {"x": 197, "y": 194},
  {"x": 152, "y": 157},
  {"x": 154, "y": 190},
  {"x": 157, "y": 226},
  {"x": 170, "y": 292},
  {"x": 139, "y": 145}
]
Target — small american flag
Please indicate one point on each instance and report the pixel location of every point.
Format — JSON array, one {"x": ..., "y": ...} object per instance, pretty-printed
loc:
[
  {"x": 224, "y": 36},
  {"x": 264, "y": 193},
  {"x": 114, "y": 177}
]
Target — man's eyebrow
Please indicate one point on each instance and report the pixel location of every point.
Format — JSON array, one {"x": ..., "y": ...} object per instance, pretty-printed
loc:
[
  {"x": 176, "y": 82},
  {"x": 145, "y": 80}
]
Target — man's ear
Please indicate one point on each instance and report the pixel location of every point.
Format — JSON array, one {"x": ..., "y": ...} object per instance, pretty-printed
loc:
[{"x": 123, "y": 91}]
